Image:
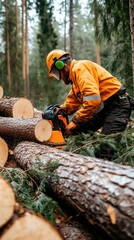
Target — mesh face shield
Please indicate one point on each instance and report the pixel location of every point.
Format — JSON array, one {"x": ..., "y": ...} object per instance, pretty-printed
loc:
[{"x": 56, "y": 73}]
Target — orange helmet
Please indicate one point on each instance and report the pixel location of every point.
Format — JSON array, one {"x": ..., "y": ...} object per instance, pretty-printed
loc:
[{"x": 54, "y": 54}]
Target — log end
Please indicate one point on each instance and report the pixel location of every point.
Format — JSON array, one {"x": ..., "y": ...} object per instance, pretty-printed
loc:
[
  {"x": 43, "y": 130},
  {"x": 7, "y": 202},
  {"x": 1, "y": 92},
  {"x": 23, "y": 108},
  {"x": 31, "y": 227},
  {"x": 3, "y": 152}
]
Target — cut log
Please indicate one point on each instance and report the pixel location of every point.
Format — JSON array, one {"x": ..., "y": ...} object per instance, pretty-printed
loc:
[
  {"x": 37, "y": 113},
  {"x": 1, "y": 92},
  {"x": 31, "y": 227},
  {"x": 101, "y": 191},
  {"x": 17, "y": 223},
  {"x": 7, "y": 202},
  {"x": 3, "y": 152},
  {"x": 38, "y": 130},
  {"x": 16, "y": 108}
]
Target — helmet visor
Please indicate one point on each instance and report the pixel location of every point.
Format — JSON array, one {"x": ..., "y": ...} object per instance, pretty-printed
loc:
[{"x": 55, "y": 73}]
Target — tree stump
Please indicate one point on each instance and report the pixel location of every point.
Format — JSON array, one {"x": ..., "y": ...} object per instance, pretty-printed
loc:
[
  {"x": 16, "y": 108},
  {"x": 101, "y": 191},
  {"x": 38, "y": 130},
  {"x": 3, "y": 152}
]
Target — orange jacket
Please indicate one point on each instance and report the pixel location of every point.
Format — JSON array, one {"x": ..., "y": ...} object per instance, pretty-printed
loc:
[{"x": 91, "y": 86}]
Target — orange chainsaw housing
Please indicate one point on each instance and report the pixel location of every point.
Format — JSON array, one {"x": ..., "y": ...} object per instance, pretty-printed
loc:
[{"x": 57, "y": 138}]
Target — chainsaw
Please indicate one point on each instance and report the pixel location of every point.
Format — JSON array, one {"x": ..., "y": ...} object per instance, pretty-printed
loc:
[{"x": 59, "y": 120}]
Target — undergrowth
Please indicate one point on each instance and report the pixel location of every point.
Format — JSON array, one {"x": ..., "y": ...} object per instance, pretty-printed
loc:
[
  {"x": 29, "y": 188},
  {"x": 118, "y": 147}
]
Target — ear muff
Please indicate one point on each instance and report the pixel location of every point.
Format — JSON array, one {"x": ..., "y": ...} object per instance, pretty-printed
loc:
[{"x": 59, "y": 64}]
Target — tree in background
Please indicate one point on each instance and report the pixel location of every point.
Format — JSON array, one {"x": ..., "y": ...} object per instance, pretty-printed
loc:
[
  {"x": 104, "y": 22},
  {"x": 116, "y": 32},
  {"x": 131, "y": 12},
  {"x": 45, "y": 89}
]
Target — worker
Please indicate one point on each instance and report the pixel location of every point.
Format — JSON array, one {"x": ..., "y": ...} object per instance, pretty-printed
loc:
[{"x": 97, "y": 100}]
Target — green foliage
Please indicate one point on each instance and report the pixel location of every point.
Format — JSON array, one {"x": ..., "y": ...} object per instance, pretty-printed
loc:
[
  {"x": 115, "y": 24},
  {"x": 29, "y": 188},
  {"x": 46, "y": 89},
  {"x": 118, "y": 147}
]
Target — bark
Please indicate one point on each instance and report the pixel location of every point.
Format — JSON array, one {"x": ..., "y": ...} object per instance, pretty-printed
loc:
[
  {"x": 16, "y": 107},
  {"x": 17, "y": 223},
  {"x": 65, "y": 25},
  {"x": 26, "y": 83},
  {"x": 73, "y": 230},
  {"x": 37, "y": 113},
  {"x": 8, "y": 47},
  {"x": 101, "y": 191},
  {"x": 16, "y": 55},
  {"x": 23, "y": 43},
  {"x": 71, "y": 27},
  {"x": 3, "y": 152},
  {"x": 25, "y": 129}
]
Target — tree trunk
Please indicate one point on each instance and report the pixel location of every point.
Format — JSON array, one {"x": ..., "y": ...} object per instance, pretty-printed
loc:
[
  {"x": 101, "y": 191},
  {"x": 38, "y": 130},
  {"x": 65, "y": 25},
  {"x": 20, "y": 223},
  {"x": 16, "y": 55},
  {"x": 23, "y": 44},
  {"x": 73, "y": 230},
  {"x": 16, "y": 108},
  {"x": 71, "y": 28},
  {"x": 96, "y": 26},
  {"x": 131, "y": 13},
  {"x": 26, "y": 53},
  {"x": 8, "y": 47}
]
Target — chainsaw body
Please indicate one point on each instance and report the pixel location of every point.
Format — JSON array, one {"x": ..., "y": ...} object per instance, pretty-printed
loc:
[{"x": 59, "y": 120}]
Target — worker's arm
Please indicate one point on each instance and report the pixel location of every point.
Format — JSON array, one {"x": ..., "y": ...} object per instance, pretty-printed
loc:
[
  {"x": 71, "y": 104},
  {"x": 89, "y": 89}
]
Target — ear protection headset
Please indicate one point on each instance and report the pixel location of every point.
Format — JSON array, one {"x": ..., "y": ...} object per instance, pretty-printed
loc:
[{"x": 59, "y": 64}]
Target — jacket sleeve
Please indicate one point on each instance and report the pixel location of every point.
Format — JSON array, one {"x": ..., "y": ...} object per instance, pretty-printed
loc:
[
  {"x": 89, "y": 89},
  {"x": 71, "y": 104}
]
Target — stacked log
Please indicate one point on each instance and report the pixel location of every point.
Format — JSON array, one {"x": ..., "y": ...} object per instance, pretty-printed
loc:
[
  {"x": 101, "y": 191},
  {"x": 16, "y": 108},
  {"x": 18, "y": 223},
  {"x": 25, "y": 129}
]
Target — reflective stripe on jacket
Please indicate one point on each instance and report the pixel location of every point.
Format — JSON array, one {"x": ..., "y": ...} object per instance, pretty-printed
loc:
[{"x": 91, "y": 86}]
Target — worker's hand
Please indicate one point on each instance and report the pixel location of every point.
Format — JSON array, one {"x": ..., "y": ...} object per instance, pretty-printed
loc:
[{"x": 69, "y": 128}]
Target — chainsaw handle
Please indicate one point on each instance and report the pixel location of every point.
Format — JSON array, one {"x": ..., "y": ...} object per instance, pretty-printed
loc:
[{"x": 62, "y": 112}]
